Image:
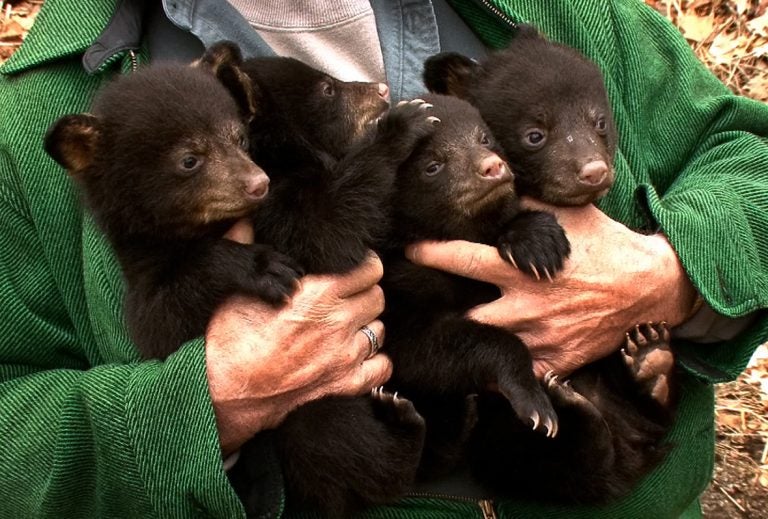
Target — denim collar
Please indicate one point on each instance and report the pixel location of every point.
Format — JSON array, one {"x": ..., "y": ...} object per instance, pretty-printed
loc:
[{"x": 407, "y": 30}]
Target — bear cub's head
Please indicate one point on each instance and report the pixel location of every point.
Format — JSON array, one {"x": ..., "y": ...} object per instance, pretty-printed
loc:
[
  {"x": 303, "y": 111},
  {"x": 455, "y": 183},
  {"x": 548, "y": 106},
  {"x": 164, "y": 152}
]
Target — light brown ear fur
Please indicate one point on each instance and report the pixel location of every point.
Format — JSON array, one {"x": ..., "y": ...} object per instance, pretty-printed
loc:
[
  {"x": 72, "y": 140},
  {"x": 224, "y": 60}
]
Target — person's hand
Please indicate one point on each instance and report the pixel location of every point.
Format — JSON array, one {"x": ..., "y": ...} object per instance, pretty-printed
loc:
[
  {"x": 614, "y": 279},
  {"x": 264, "y": 362}
]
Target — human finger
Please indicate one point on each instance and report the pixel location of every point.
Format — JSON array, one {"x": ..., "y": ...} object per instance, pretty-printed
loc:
[
  {"x": 364, "y": 307},
  {"x": 361, "y": 278},
  {"x": 502, "y": 313},
  {"x": 467, "y": 259},
  {"x": 374, "y": 372},
  {"x": 241, "y": 232},
  {"x": 370, "y": 339}
]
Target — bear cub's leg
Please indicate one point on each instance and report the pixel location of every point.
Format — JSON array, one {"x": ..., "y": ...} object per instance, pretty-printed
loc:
[{"x": 371, "y": 445}]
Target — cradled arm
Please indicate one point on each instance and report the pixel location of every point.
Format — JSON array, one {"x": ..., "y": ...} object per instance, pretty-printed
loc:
[
  {"x": 700, "y": 157},
  {"x": 87, "y": 440},
  {"x": 94, "y": 433}
]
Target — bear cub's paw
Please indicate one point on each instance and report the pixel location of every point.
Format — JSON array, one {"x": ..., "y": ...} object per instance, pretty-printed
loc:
[
  {"x": 649, "y": 359},
  {"x": 406, "y": 124},
  {"x": 535, "y": 243},
  {"x": 275, "y": 276},
  {"x": 564, "y": 395},
  {"x": 532, "y": 406},
  {"x": 394, "y": 409}
]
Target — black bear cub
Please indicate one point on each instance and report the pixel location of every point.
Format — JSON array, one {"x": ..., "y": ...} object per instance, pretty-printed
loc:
[
  {"x": 456, "y": 186},
  {"x": 602, "y": 429},
  {"x": 547, "y": 105},
  {"x": 332, "y": 149},
  {"x": 164, "y": 168}
]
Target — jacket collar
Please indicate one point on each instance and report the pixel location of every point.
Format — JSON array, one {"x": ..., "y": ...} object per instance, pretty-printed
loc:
[{"x": 63, "y": 28}]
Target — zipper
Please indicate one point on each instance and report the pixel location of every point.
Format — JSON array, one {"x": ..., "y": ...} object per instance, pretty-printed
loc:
[
  {"x": 486, "y": 505},
  {"x": 134, "y": 60},
  {"x": 498, "y": 13}
]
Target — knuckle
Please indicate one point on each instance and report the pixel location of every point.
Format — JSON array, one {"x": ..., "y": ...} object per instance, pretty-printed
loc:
[
  {"x": 469, "y": 263},
  {"x": 378, "y": 298},
  {"x": 376, "y": 267}
]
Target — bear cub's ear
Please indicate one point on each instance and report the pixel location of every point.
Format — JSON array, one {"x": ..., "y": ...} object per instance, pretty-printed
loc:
[
  {"x": 72, "y": 142},
  {"x": 224, "y": 60},
  {"x": 450, "y": 73}
]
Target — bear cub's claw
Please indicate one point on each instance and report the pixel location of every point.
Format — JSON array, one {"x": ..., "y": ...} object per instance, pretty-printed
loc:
[
  {"x": 276, "y": 276},
  {"x": 406, "y": 124},
  {"x": 649, "y": 359},
  {"x": 536, "y": 244},
  {"x": 563, "y": 395},
  {"x": 396, "y": 409},
  {"x": 532, "y": 406}
]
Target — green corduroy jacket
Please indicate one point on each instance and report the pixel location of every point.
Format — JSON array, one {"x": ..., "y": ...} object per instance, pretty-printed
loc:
[{"x": 90, "y": 431}]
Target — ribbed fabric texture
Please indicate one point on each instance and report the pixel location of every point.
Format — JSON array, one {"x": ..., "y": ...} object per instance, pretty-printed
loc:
[
  {"x": 340, "y": 38},
  {"x": 122, "y": 439},
  {"x": 302, "y": 14},
  {"x": 92, "y": 432}
]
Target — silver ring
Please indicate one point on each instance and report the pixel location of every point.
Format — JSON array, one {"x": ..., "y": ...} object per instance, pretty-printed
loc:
[{"x": 372, "y": 339}]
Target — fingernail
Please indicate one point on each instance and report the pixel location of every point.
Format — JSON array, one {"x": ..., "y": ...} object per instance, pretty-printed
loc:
[{"x": 412, "y": 253}]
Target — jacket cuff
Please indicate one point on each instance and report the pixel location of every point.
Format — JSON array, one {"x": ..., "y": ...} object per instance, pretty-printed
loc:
[{"x": 173, "y": 433}]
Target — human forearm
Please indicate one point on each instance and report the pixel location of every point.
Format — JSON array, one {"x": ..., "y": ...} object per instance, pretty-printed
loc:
[
  {"x": 133, "y": 440},
  {"x": 715, "y": 215}
]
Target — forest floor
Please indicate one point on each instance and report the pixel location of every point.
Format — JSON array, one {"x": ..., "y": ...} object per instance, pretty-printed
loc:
[{"x": 731, "y": 38}]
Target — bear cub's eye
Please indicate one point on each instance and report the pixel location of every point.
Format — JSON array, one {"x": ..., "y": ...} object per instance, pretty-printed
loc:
[
  {"x": 484, "y": 140},
  {"x": 433, "y": 168},
  {"x": 534, "y": 139},
  {"x": 242, "y": 141},
  {"x": 328, "y": 89},
  {"x": 190, "y": 163},
  {"x": 601, "y": 125}
]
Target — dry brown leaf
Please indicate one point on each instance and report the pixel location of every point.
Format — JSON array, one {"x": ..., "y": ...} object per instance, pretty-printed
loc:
[
  {"x": 730, "y": 419},
  {"x": 759, "y": 25},
  {"x": 12, "y": 30},
  {"x": 694, "y": 27},
  {"x": 25, "y": 21},
  {"x": 742, "y": 6},
  {"x": 728, "y": 47},
  {"x": 696, "y": 4},
  {"x": 760, "y": 48}
]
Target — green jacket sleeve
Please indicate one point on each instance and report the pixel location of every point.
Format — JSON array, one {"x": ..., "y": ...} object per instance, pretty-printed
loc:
[
  {"x": 692, "y": 158},
  {"x": 84, "y": 437},
  {"x": 705, "y": 184}
]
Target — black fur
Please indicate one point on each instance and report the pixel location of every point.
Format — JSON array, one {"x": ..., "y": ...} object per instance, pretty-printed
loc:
[
  {"x": 331, "y": 150},
  {"x": 331, "y": 162},
  {"x": 455, "y": 186},
  {"x": 610, "y": 435},
  {"x": 538, "y": 90},
  {"x": 163, "y": 168},
  {"x": 611, "y": 422}
]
